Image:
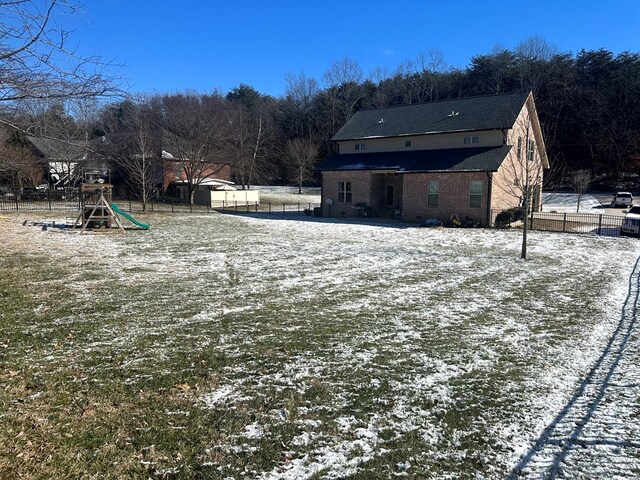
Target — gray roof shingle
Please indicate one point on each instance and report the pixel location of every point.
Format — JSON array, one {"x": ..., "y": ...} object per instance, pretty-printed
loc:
[
  {"x": 52, "y": 149},
  {"x": 445, "y": 160},
  {"x": 488, "y": 112}
]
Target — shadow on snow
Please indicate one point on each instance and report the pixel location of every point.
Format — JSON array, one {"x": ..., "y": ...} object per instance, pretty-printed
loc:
[{"x": 547, "y": 456}]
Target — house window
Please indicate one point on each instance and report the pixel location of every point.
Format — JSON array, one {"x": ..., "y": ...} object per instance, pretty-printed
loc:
[
  {"x": 407, "y": 143},
  {"x": 344, "y": 192},
  {"x": 519, "y": 148},
  {"x": 433, "y": 193},
  {"x": 389, "y": 195},
  {"x": 475, "y": 140},
  {"x": 475, "y": 193},
  {"x": 467, "y": 140},
  {"x": 359, "y": 146},
  {"x": 531, "y": 146}
]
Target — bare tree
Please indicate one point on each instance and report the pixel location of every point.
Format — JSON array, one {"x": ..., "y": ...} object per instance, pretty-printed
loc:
[
  {"x": 303, "y": 153},
  {"x": 432, "y": 65},
  {"x": 37, "y": 59},
  {"x": 85, "y": 111},
  {"x": 580, "y": 180},
  {"x": 39, "y": 63},
  {"x": 193, "y": 131},
  {"x": 379, "y": 77},
  {"x": 301, "y": 91},
  {"x": 135, "y": 147},
  {"x": 534, "y": 54},
  {"x": 406, "y": 74},
  {"x": 245, "y": 139},
  {"x": 343, "y": 80}
]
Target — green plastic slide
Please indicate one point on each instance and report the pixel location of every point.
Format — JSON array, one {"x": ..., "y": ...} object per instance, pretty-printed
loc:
[{"x": 143, "y": 226}]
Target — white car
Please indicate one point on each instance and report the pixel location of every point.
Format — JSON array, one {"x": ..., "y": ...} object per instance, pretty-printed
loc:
[
  {"x": 622, "y": 199},
  {"x": 631, "y": 223}
]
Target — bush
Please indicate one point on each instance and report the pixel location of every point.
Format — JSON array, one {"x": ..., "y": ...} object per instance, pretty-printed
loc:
[{"x": 506, "y": 217}]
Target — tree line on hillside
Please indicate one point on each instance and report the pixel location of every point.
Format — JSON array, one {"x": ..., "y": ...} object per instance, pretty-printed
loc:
[{"x": 588, "y": 104}]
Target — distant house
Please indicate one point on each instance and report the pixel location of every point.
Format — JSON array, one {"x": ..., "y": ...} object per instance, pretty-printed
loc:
[
  {"x": 66, "y": 162},
  {"x": 467, "y": 158},
  {"x": 205, "y": 175},
  {"x": 62, "y": 160}
]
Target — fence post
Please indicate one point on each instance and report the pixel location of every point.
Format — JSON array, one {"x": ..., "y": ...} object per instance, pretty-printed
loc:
[
  {"x": 16, "y": 199},
  {"x": 269, "y": 207},
  {"x": 236, "y": 201},
  {"x": 49, "y": 198},
  {"x": 600, "y": 224},
  {"x": 283, "y": 210},
  {"x": 171, "y": 206},
  {"x": 564, "y": 222},
  {"x": 129, "y": 198}
]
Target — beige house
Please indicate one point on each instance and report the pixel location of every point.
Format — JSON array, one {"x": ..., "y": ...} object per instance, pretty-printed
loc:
[{"x": 467, "y": 158}]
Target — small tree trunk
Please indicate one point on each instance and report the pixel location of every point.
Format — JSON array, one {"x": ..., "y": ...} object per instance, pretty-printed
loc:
[
  {"x": 300, "y": 183},
  {"x": 255, "y": 153},
  {"x": 525, "y": 228}
]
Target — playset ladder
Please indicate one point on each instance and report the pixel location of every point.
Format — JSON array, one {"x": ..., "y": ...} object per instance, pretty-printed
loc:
[{"x": 100, "y": 213}]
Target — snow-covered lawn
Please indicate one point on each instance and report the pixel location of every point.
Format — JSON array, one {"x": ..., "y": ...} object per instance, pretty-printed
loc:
[
  {"x": 237, "y": 347},
  {"x": 289, "y": 195},
  {"x": 568, "y": 202}
]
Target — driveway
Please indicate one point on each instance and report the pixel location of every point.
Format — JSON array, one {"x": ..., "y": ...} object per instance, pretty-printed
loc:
[{"x": 598, "y": 203}]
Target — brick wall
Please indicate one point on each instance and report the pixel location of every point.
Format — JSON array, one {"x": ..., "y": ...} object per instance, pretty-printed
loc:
[
  {"x": 173, "y": 170},
  {"x": 360, "y": 192},
  {"x": 453, "y": 197}
]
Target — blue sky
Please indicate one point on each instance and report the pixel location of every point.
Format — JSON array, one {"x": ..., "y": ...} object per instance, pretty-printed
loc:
[{"x": 170, "y": 46}]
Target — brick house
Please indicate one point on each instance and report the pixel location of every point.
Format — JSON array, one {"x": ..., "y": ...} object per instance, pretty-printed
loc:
[
  {"x": 470, "y": 158},
  {"x": 175, "y": 175}
]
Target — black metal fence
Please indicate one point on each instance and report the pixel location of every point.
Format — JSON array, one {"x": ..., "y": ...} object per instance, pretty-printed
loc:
[
  {"x": 606, "y": 225},
  {"x": 57, "y": 201},
  {"x": 590, "y": 223},
  {"x": 39, "y": 201}
]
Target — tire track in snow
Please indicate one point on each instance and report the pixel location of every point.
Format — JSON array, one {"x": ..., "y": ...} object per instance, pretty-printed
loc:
[{"x": 597, "y": 433}]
